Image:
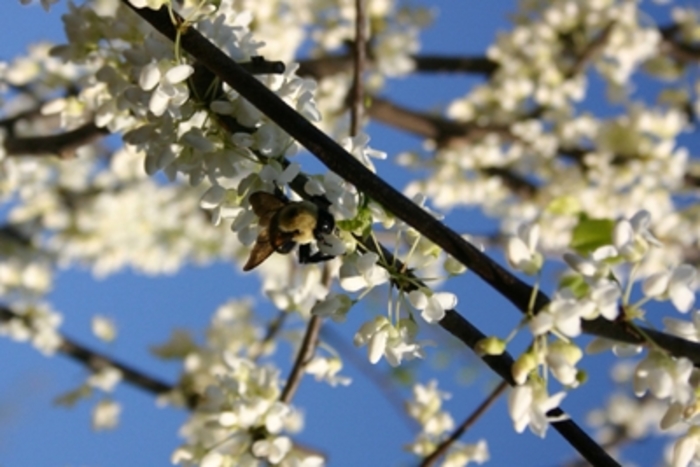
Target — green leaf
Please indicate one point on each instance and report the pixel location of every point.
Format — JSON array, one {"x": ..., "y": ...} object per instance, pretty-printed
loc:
[{"x": 591, "y": 234}]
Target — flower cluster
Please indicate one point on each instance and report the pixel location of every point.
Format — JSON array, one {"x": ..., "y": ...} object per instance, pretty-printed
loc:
[{"x": 426, "y": 409}]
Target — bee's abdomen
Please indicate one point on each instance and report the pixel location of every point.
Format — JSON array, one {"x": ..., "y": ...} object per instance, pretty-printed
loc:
[{"x": 300, "y": 220}]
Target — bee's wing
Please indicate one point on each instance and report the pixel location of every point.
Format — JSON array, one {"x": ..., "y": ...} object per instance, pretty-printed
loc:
[
  {"x": 261, "y": 250},
  {"x": 265, "y": 205}
]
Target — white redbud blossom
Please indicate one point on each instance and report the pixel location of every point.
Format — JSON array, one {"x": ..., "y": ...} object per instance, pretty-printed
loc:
[
  {"x": 673, "y": 415},
  {"x": 394, "y": 342},
  {"x": 334, "y": 306},
  {"x": 106, "y": 379},
  {"x": 105, "y": 415},
  {"x": 362, "y": 272},
  {"x": 677, "y": 285},
  {"x": 521, "y": 250},
  {"x": 632, "y": 237},
  {"x": 563, "y": 313},
  {"x": 433, "y": 306},
  {"x": 605, "y": 296},
  {"x": 326, "y": 369},
  {"x": 462, "y": 454},
  {"x": 595, "y": 266},
  {"x": 525, "y": 364},
  {"x": 453, "y": 266},
  {"x": 104, "y": 328},
  {"x": 528, "y": 405},
  {"x": 427, "y": 402},
  {"x": 357, "y": 146},
  {"x": 689, "y": 330},
  {"x": 212, "y": 197},
  {"x": 664, "y": 377},
  {"x": 167, "y": 83},
  {"x": 272, "y": 449},
  {"x": 687, "y": 448},
  {"x": 561, "y": 359},
  {"x": 152, "y": 4}
]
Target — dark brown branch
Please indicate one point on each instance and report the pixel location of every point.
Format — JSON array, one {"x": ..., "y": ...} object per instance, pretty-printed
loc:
[
  {"x": 96, "y": 361},
  {"x": 679, "y": 50},
  {"x": 455, "y": 64},
  {"x": 62, "y": 145},
  {"x": 324, "y": 67},
  {"x": 446, "y": 133}
]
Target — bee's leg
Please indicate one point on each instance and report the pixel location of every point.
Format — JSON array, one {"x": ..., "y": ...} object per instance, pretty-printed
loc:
[
  {"x": 286, "y": 247},
  {"x": 280, "y": 194},
  {"x": 305, "y": 256}
]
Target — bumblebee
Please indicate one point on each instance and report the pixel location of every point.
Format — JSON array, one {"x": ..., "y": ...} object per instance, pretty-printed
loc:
[{"x": 284, "y": 224}]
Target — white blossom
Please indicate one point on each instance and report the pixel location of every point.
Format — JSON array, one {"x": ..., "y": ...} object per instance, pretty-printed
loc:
[
  {"x": 521, "y": 250},
  {"x": 433, "y": 306},
  {"x": 677, "y": 285},
  {"x": 528, "y": 405},
  {"x": 362, "y": 272},
  {"x": 393, "y": 342}
]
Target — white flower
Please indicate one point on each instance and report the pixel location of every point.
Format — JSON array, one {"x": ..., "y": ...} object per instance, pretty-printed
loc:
[
  {"x": 594, "y": 267},
  {"x": 426, "y": 406},
  {"x": 326, "y": 369},
  {"x": 273, "y": 449},
  {"x": 105, "y": 415},
  {"x": 152, "y": 4},
  {"x": 564, "y": 313},
  {"x": 461, "y": 454},
  {"x": 605, "y": 296},
  {"x": 357, "y": 146},
  {"x": 678, "y": 285},
  {"x": 362, "y": 271},
  {"x": 432, "y": 306},
  {"x": 685, "y": 329},
  {"x": 561, "y": 359},
  {"x": 528, "y": 406},
  {"x": 106, "y": 379},
  {"x": 334, "y": 306},
  {"x": 521, "y": 250},
  {"x": 687, "y": 448},
  {"x": 632, "y": 237},
  {"x": 167, "y": 83},
  {"x": 394, "y": 342},
  {"x": 104, "y": 328},
  {"x": 664, "y": 377}
]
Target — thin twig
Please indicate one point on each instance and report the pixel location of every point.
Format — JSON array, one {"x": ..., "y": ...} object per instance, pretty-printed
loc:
[
  {"x": 465, "y": 425},
  {"x": 307, "y": 349},
  {"x": 359, "y": 55},
  {"x": 273, "y": 328},
  {"x": 304, "y": 356}
]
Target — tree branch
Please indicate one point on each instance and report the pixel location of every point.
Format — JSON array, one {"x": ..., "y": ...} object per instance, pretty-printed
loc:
[
  {"x": 96, "y": 361},
  {"x": 62, "y": 145},
  {"x": 465, "y": 425}
]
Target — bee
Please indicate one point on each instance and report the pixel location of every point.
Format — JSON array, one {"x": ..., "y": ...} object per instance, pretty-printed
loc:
[{"x": 284, "y": 224}]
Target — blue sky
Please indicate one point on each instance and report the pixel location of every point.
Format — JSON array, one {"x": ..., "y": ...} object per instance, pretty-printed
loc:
[{"x": 355, "y": 425}]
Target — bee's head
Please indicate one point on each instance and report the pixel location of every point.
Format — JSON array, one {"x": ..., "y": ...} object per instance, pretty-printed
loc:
[{"x": 324, "y": 223}]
